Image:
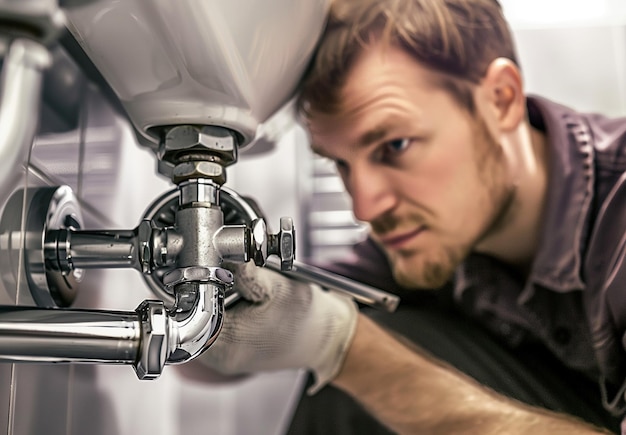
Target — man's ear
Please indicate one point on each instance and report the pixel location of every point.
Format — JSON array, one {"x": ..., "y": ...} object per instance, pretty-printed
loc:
[{"x": 504, "y": 91}]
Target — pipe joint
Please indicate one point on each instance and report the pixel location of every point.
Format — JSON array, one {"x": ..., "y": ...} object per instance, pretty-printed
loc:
[
  {"x": 153, "y": 351},
  {"x": 195, "y": 331}
]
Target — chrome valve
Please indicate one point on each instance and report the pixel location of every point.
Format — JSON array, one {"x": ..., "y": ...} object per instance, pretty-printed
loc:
[
  {"x": 179, "y": 246},
  {"x": 181, "y": 261}
]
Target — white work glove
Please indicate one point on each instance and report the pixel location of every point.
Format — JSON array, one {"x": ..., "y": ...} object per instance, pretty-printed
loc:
[{"x": 282, "y": 324}]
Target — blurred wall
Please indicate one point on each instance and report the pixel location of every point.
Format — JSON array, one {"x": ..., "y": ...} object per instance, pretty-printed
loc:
[{"x": 573, "y": 51}]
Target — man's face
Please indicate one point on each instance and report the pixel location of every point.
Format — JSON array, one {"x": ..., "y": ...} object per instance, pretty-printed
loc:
[{"x": 426, "y": 175}]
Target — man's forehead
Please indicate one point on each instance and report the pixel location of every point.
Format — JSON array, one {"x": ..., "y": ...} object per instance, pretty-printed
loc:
[
  {"x": 331, "y": 133},
  {"x": 365, "y": 66},
  {"x": 321, "y": 130},
  {"x": 326, "y": 133}
]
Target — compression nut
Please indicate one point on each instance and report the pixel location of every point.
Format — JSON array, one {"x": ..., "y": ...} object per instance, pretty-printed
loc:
[{"x": 153, "y": 347}]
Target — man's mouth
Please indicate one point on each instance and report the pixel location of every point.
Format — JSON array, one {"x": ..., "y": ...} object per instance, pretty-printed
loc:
[{"x": 400, "y": 240}]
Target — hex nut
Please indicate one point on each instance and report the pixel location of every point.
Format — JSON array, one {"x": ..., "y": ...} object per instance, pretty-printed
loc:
[
  {"x": 217, "y": 142},
  {"x": 198, "y": 169},
  {"x": 181, "y": 275},
  {"x": 165, "y": 168},
  {"x": 286, "y": 243},
  {"x": 283, "y": 244},
  {"x": 258, "y": 242},
  {"x": 153, "y": 348},
  {"x": 144, "y": 243}
]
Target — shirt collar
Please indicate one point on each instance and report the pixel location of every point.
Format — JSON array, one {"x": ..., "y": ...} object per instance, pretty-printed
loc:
[{"x": 557, "y": 264}]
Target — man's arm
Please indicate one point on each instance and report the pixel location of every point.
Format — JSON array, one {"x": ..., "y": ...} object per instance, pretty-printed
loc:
[
  {"x": 411, "y": 393},
  {"x": 281, "y": 324}
]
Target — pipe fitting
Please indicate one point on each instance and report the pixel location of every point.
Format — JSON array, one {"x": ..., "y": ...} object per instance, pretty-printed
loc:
[
  {"x": 200, "y": 192},
  {"x": 198, "y": 169},
  {"x": 178, "y": 335},
  {"x": 282, "y": 244},
  {"x": 258, "y": 242},
  {"x": 233, "y": 243},
  {"x": 155, "y": 334},
  {"x": 190, "y": 142},
  {"x": 195, "y": 331},
  {"x": 153, "y": 352},
  {"x": 166, "y": 245},
  {"x": 199, "y": 274},
  {"x": 144, "y": 246}
]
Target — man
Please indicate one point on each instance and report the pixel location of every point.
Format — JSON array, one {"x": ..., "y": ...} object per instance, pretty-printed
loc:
[{"x": 513, "y": 207}]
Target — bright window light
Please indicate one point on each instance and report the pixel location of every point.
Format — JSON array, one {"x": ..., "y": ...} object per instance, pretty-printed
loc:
[{"x": 554, "y": 11}]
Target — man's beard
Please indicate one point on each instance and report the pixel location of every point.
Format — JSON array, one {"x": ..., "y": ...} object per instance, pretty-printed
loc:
[
  {"x": 432, "y": 270},
  {"x": 428, "y": 272}
]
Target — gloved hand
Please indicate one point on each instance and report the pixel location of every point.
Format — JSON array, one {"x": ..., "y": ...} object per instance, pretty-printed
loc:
[{"x": 282, "y": 324}]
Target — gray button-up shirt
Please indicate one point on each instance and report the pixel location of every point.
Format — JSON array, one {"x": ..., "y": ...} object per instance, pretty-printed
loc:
[{"x": 574, "y": 299}]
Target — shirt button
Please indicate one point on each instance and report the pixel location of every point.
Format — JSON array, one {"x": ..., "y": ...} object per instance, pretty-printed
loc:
[{"x": 562, "y": 335}]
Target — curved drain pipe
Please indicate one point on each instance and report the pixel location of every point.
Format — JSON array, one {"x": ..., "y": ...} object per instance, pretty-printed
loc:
[{"x": 148, "y": 338}]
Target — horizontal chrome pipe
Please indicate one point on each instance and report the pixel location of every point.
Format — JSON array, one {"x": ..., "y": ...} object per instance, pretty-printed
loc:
[
  {"x": 53, "y": 335},
  {"x": 360, "y": 292},
  {"x": 93, "y": 249},
  {"x": 143, "y": 248},
  {"x": 148, "y": 338}
]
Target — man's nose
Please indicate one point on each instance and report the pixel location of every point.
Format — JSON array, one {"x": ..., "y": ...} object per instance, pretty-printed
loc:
[{"x": 372, "y": 193}]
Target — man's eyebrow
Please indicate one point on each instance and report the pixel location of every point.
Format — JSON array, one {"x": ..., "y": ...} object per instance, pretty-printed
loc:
[
  {"x": 373, "y": 136},
  {"x": 367, "y": 138}
]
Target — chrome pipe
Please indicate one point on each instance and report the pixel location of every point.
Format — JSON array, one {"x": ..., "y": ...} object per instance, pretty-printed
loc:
[
  {"x": 83, "y": 249},
  {"x": 143, "y": 248},
  {"x": 62, "y": 336},
  {"x": 159, "y": 335},
  {"x": 148, "y": 338},
  {"x": 20, "y": 94},
  {"x": 195, "y": 331},
  {"x": 199, "y": 191},
  {"x": 362, "y": 293}
]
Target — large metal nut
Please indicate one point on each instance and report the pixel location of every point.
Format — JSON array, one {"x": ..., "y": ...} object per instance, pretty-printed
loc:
[
  {"x": 166, "y": 245},
  {"x": 198, "y": 169},
  {"x": 216, "y": 143},
  {"x": 258, "y": 242},
  {"x": 216, "y": 275},
  {"x": 165, "y": 168},
  {"x": 153, "y": 349},
  {"x": 144, "y": 245},
  {"x": 283, "y": 244}
]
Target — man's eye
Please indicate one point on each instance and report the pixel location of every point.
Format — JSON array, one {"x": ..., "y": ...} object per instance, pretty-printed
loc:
[{"x": 396, "y": 146}]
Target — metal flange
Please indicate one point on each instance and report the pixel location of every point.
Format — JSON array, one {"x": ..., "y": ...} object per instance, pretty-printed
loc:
[{"x": 50, "y": 208}]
